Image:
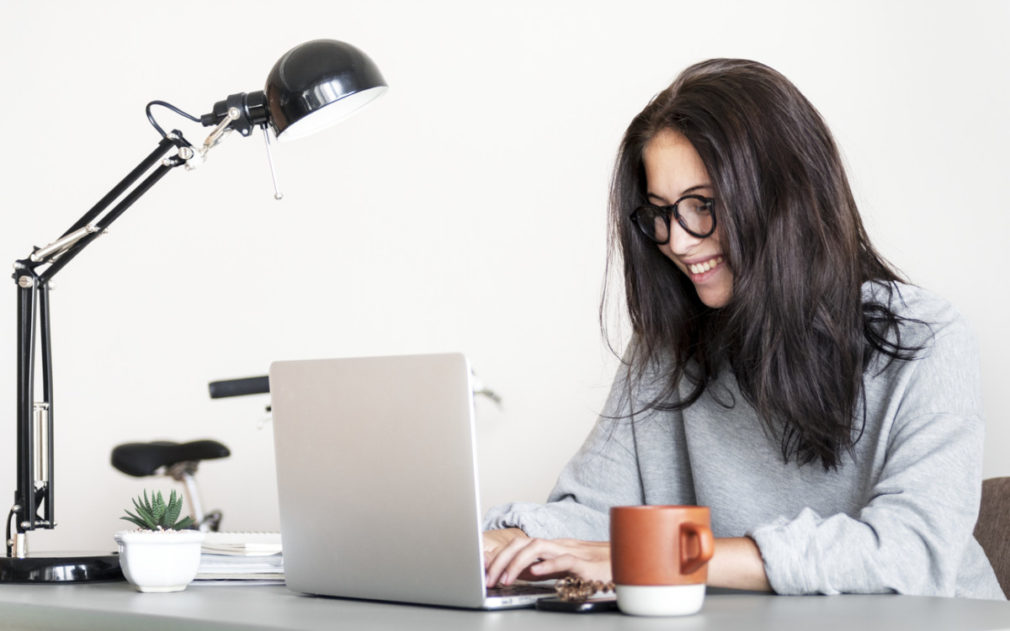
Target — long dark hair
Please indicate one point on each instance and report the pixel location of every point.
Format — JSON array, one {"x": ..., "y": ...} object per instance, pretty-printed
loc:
[{"x": 796, "y": 333}]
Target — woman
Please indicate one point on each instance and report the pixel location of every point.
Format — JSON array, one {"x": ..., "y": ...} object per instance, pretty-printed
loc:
[{"x": 780, "y": 372}]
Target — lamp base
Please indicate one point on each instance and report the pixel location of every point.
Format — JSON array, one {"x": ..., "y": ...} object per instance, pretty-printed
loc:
[{"x": 60, "y": 568}]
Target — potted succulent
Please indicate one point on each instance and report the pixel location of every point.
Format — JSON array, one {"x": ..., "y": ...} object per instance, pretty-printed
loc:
[{"x": 162, "y": 556}]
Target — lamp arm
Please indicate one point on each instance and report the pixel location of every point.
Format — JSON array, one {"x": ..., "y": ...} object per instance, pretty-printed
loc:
[
  {"x": 57, "y": 254},
  {"x": 35, "y": 418},
  {"x": 145, "y": 165}
]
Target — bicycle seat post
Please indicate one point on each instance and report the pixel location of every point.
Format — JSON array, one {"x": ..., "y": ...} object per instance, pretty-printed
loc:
[{"x": 183, "y": 472}]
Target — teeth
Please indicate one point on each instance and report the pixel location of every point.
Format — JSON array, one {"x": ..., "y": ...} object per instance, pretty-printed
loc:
[{"x": 701, "y": 268}]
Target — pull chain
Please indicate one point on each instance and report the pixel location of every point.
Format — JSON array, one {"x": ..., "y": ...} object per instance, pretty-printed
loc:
[{"x": 270, "y": 161}]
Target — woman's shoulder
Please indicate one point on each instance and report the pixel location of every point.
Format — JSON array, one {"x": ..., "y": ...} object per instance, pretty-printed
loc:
[
  {"x": 941, "y": 374},
  {"x": 923, "y": 315}
]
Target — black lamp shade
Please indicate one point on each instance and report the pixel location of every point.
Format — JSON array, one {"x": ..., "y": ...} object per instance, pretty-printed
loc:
[{"x": 317, "y": 84}]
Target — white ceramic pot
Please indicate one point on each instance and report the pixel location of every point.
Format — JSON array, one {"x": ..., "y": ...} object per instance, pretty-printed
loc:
[{"x": 159, "y": 561}]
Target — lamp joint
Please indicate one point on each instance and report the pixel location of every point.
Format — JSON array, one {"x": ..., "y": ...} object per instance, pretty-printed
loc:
[{"x": 242, "y": 111}]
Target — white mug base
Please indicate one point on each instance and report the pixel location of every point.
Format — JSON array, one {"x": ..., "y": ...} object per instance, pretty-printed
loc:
[{"x": 660, "y": 600}]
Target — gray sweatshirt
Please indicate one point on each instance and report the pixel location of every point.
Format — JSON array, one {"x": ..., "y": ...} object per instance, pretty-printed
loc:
[{"x": 897, "y": 515}]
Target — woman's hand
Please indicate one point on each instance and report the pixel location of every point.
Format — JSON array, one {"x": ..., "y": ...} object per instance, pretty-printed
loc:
[
  {"x": 495, "y": 540},
  {"x": 510, "y": 555}
]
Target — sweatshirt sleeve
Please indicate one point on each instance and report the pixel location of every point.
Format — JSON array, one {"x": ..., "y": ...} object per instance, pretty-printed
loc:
[
  {"x": 914, "y": 531},
  {"x": 603, "y": 473}
]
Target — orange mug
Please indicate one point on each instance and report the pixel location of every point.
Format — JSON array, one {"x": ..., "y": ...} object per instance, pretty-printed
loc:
[{"x": 659, "y": 557}]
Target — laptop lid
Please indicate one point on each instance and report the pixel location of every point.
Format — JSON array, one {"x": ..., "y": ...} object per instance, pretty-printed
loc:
[{"x": 377, "y": 478}]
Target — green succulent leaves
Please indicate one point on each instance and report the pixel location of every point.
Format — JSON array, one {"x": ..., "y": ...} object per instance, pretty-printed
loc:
[{"x": 155, "y": 514}]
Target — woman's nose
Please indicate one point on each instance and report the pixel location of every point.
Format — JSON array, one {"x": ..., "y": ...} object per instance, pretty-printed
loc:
[{"x": 681, "y": 241}]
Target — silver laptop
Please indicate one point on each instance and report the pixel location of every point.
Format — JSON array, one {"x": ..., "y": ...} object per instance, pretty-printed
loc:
[{"x": 377, "y": 480}]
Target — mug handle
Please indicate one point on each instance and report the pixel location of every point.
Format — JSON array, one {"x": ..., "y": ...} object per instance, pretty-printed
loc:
[{"x": 706, "y": 547}]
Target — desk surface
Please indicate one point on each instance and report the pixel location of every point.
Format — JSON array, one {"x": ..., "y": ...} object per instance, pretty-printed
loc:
[{"x": 113, "y": 606}]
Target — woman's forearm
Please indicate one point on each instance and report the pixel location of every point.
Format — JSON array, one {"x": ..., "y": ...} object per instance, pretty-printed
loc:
[{"x": 737, "y": 564}]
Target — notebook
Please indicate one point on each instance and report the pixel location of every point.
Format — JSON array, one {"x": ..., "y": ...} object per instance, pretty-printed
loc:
[{"x": 377, "y": 480}]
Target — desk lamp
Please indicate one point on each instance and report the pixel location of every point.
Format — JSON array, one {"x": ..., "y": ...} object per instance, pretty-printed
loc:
[{"x": 312, "y": 86}]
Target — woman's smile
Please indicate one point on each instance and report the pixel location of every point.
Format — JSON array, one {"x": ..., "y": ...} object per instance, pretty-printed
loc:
[{"x": 700, "y": 271}]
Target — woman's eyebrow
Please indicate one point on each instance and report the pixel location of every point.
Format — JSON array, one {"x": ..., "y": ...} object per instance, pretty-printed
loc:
[
  {"x": 695, "y": 188},
  {"x": 686, "y": 191}
]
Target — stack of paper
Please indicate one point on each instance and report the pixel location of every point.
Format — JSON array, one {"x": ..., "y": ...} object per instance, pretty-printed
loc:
[
  {"x": 249, "y": 557},
  {"x": 242, "y": 543}
]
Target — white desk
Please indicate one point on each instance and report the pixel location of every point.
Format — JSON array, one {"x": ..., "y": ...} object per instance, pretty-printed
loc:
[{"x": 115, "y": 606}]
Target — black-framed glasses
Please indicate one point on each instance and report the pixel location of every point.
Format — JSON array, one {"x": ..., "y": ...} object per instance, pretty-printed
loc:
[{"x": 694, "y": 213}]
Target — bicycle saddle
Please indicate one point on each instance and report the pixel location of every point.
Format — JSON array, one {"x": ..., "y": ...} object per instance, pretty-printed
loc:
[{"x": 141, "y": 459}]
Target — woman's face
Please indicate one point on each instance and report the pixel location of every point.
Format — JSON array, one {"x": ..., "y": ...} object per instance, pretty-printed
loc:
[{"x": 674, "y": 169}]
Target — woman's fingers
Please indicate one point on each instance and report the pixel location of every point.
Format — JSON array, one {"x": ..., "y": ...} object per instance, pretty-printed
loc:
[
  {"x": 557, "y": 567},
  {"x": 541, "y": 559},
  {"x": 534, "y": 551},
  {"x": 590, "y": 562},
  {"x": 503, "y": 557},
  {"x": 495, "y": 540}
]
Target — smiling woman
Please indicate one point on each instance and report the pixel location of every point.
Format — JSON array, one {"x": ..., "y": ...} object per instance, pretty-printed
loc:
[{"x": 781, "y": 372}]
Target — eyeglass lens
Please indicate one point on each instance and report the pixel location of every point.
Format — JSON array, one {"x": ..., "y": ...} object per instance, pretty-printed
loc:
[{"x": 694, "y": 214}]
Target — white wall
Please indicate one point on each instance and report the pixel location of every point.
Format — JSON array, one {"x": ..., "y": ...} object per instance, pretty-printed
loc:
[{"x": 464, "y": 211}]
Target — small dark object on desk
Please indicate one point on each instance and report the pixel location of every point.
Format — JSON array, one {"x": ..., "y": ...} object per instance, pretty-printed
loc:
[{"x": 591, "y": 605}]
